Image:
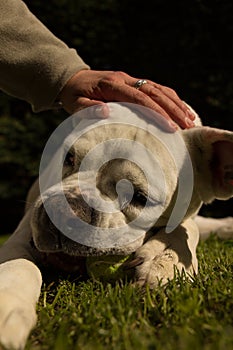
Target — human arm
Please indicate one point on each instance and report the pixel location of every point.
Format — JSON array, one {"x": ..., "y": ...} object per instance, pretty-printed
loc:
[{"x": 34, "y": 64}]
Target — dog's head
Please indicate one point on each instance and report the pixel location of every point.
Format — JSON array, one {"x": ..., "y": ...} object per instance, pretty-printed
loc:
[{"x": 124, "y": 178}]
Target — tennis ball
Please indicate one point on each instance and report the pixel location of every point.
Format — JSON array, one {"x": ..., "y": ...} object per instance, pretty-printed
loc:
[{"x": 107, "y": 268}]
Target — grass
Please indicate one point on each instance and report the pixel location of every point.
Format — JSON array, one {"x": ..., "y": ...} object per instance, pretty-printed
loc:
[
  {"x": 3, "y": 238},
  {"x": 183, "y": 315}
]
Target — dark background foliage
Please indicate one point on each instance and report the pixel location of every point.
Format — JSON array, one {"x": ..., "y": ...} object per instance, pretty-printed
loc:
[{"x": 186, "y": 45}]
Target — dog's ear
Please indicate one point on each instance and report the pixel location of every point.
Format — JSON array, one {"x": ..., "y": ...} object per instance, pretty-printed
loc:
[{"x": 211, "y": 151}]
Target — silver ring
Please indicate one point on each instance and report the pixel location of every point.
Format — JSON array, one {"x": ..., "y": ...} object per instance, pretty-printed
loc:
[{"x": 139, "y": 83}]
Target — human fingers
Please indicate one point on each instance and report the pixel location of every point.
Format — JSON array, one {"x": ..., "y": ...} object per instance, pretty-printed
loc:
[
  {"x": 144, "y": 84},
  {"x": 87, "y": 88},
  {"x": 170, "y": 93},
  {"x": 169, "y": 101},
  {"x": 113, "y": 91},
  {"x": 160, "y": 98}
]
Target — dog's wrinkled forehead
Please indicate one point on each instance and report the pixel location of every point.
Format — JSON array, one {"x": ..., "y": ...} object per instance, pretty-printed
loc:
[
  {"x": 118, "y": 112},
  {"x": 127, "y": 133},
  {"x": 123, "y": 122}
]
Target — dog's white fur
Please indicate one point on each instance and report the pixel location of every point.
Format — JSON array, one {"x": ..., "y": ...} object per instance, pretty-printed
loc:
[{"x": 20, "y": 278}]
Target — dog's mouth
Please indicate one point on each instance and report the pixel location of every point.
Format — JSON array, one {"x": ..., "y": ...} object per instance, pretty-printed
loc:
[
  {"x": 47, "y": 237},
  {"x": 53, "y": 247},
  {"x": 64, "y": 262}
]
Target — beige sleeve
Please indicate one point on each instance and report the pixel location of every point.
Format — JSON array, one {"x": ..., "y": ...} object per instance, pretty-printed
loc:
[{"x": 34, "y": 64}]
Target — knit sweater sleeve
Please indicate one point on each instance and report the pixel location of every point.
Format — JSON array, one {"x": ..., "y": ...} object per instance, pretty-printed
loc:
[{"x": 34, "y": 64}]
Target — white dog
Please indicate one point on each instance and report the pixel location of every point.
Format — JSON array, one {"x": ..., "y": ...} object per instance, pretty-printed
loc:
[{"x": 140, "y": 177}]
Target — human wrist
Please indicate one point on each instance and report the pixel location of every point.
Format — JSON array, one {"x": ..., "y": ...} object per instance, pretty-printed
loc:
[{"x": 68, "y": 88}]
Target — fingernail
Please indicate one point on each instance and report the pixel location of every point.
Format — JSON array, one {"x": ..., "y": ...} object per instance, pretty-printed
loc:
[
  {"x": 191, "y": 115},
  {"x": 171, "y": 126},
  {"x": 189, "y": 123},
  {"x": 102, "y": 111},
  {"x": 167, "y": 125}
]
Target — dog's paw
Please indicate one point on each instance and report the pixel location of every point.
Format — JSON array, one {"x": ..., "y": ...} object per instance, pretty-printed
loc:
[
  {"x": 16, "y": 320},
  {"x": 153, "y": 270}
]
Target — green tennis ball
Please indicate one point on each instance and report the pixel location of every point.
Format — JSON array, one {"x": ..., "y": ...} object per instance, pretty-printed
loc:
[{"x": 106, "y": 268}]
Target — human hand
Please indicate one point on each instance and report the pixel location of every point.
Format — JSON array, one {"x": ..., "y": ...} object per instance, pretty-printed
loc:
[{"x": 88, "y": 87}]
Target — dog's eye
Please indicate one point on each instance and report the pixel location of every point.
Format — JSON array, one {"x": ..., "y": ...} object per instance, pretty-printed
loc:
[
  {"x": 69, "y": 159},
  {"x": 142, "y": 200},
  {"x": 139, "y": 199}
]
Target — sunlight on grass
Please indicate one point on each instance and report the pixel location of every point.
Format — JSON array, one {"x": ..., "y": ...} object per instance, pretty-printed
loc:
[{"x": 186, "y": 314}]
